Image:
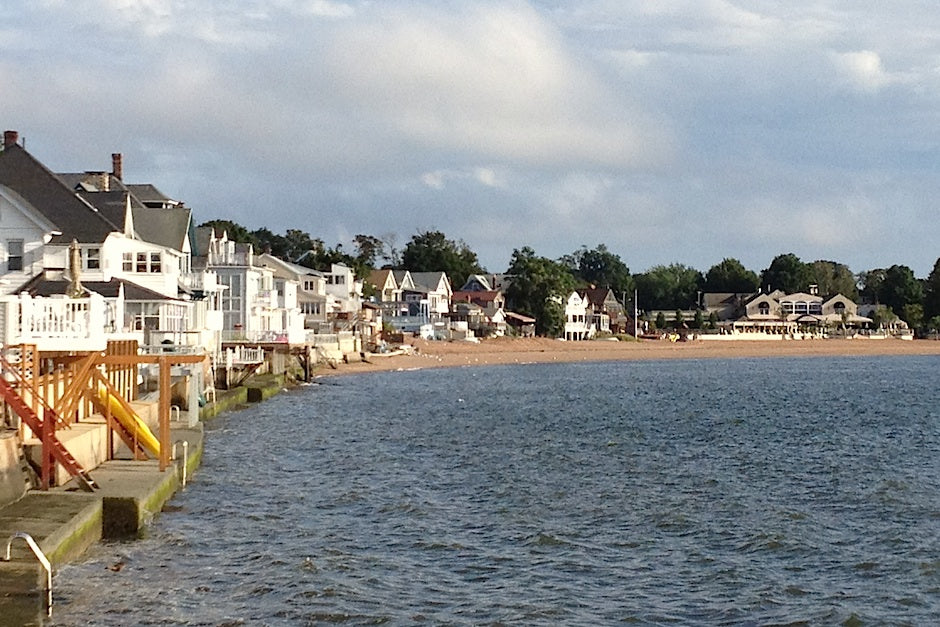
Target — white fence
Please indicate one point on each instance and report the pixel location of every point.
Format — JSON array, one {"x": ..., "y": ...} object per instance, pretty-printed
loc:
[{"x": 57, "y": 323}]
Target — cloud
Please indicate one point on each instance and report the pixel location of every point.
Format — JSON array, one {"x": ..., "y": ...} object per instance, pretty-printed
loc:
[
  {"x": 438, "y": 179},
  {"x": 862, "y": 69},
  {"x": 490, "y": 80}
]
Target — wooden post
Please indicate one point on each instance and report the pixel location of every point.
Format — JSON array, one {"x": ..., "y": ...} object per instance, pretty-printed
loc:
[
  {"x": 48, "y": 461},
  {"x": 164, "y": 409}
]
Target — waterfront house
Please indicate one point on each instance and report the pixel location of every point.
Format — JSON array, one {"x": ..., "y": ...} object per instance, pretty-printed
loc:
[
  {"x": 253, "y": 308},
  {"x": 385, "y": 286},
  {"x": 78, "y": 235},
  {"x": 435, "y": 288},
  {"x": 577, "y": 326},
  {"x": 312, "y": 298},
  {"x": 606, "y": 312}
]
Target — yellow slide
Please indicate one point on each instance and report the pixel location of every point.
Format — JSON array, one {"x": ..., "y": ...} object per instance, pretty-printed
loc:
[{"x": 131, "y": 421}]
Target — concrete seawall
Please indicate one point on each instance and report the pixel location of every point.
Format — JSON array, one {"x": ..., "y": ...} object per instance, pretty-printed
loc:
[{"x": 65, "y": 522}]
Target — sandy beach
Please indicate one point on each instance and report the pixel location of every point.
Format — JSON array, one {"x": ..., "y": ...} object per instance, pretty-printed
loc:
[{"x": 428, "y": 354}]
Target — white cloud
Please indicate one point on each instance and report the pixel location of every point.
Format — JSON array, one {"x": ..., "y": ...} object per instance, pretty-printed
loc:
[
  {"x": 326, "y": 8},
  {"x": 491, "y": 80},
  {"x": 862, "y": 69},
  {"x": 484, "y": 176}
]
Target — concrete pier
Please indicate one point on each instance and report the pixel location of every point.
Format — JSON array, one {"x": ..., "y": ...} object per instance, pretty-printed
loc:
[{"x": 65, "y": 521}]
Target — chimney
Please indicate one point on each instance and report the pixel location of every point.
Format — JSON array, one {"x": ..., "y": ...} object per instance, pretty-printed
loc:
[
  {"x": 10, "y": 138},
  {"x": 117, "y": 166}
]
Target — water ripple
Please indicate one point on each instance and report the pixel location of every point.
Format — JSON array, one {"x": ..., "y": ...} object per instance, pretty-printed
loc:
[{"x": 711, "y": 493}]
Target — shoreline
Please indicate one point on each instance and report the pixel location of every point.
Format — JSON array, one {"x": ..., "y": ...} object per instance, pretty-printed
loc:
[{"x": 508, "y": 351}]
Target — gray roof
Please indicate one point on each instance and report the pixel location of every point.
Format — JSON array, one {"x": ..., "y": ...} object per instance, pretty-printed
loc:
[
  {"x": 429, "y": 280},
  {"x": 147, "y": 193},
  {"x": 112, "y": 205},
  {"x": 46, "y": 192},
  {"x": 167, "y": 226},
  {"x": 39, "y": 286}
]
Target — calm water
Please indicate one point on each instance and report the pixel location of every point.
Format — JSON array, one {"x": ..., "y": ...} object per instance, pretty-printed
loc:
[{"x": 771, "y": 491}]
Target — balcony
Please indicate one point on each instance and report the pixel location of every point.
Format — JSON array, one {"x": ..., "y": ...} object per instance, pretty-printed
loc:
[{"x": 57, "y": 323}]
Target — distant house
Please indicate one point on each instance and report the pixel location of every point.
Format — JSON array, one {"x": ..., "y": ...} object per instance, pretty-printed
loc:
[
  {"x": 341, "y": 283},
  {"x": 432, "y": 287},
  {"x": 606, "y": 312},
  {"x": 313, "y": 301},
  {"x": 385, "y": 286},
  {"x": 253, "y": 307},
  {"x": 577, "y": 322},
  {"x": 778, "y": 314}
]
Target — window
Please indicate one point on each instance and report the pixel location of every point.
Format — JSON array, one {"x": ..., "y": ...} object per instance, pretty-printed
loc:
[
  {"x": 763, "y": 308},
  {"x": 142, "y": 263},
  {"x": 93, "y": 259},
  {"x": 14, "y": 255}
]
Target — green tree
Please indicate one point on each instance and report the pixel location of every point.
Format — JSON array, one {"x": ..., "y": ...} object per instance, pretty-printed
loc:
[
  {"x": 601, "y": 268},
  {"x": 913, "y": 315},
  {"x": 539, "y": 288},
  {"x": 731, "y": 276},
  {"x": 786, "y": 273},
  {"x": 368, "y": 249},
  {"x": 431, "y": 251},
  {"x": 870, "y": 283},
  {"x": 900, "y": 288},
  {"x": 660, "y": 321},
  {"x": 235, "y": 232},
  {"x": 675, "y": 286},
  {"x": 932, "y": 292},
  {"x": 698, "y": 321},
  {"x": 833, "y": 278}
]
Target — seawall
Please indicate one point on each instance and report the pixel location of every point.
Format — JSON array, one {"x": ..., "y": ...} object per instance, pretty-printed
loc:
[{"x": 65, "y": 522}]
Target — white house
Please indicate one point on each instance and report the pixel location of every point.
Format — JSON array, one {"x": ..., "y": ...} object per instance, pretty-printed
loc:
[
  {"x": 312, "y": 298},
  {"x": 577, "y": 321},
  {"x": 253, "y": 308}
]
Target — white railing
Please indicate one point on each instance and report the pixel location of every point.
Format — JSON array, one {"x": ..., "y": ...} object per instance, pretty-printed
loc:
[
  {"x": 56, "y": 323},
  {"x": 240, "y": 355}
]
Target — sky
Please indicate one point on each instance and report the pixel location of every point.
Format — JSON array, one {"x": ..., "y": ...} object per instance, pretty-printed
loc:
[{"x": 670, "y": 131}]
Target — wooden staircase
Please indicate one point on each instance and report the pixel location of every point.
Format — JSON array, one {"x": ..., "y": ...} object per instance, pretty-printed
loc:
[{"x": 40, "y": 427}]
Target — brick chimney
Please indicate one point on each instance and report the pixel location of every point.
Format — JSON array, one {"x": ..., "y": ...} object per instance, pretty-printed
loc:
[
  {"x": 10, "y": 138},
  {"x": 117, "y": 165}
]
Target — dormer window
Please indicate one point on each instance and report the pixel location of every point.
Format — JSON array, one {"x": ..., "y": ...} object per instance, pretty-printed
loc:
[{"x": 763, "y": 309}]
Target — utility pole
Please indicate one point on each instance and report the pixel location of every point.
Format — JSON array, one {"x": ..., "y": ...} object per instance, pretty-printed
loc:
[{"x": 636, "y": 311}]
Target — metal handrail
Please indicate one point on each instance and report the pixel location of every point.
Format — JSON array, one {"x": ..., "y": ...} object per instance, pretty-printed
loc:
[
  {"x": 185, "y": 444},
  {"x": 42, "y": 560}
]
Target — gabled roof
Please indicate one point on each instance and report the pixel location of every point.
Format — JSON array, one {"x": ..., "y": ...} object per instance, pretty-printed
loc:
[
  {"x": 111, "y": 205},
  {"x": 476, "y": 280},
  {"x": 429, "y": 280},
  {"x": 380, "y": 278},
  {"x": 801, "y": 296},
  {"x": 289, "y": 267},
  {"x": 72, "y": 216},
  {"x": 40, "y": 286},
  {"x": 596, "y": 295},
  {"x": 403, "y": 278},
  {"x": 167, "y": 226}
]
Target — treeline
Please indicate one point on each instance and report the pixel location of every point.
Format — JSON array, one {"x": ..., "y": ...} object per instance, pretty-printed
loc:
[{"x": 537, "y": 280}]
